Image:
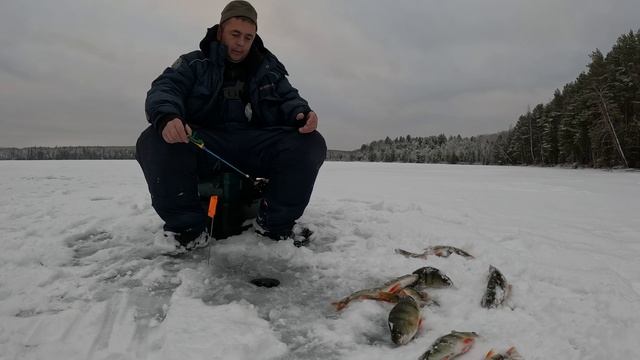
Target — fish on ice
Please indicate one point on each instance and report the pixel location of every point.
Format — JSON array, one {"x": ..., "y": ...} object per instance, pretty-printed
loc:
[
  {"x": 437, "y": 250},
  {"x": 510, "y": 354},
  {"x": 450, "y": 346},
  {"x": 425, "y": 277},
  {"x": 405, "y": 318},
  {"x": 498, "y": 290}
]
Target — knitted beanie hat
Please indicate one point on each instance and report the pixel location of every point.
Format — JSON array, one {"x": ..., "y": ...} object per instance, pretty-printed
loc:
[{"x": 239, "y": 8}]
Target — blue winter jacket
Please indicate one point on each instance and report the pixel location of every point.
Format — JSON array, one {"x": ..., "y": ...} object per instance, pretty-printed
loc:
[{"x": 189, "y": 88}]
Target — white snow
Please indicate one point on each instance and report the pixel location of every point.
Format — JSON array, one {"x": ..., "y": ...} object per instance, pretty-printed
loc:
[{"x": 82, "y": 275}]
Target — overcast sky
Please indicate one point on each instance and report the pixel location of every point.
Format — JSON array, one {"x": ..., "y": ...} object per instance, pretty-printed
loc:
[{"x": 77, "y": 72}]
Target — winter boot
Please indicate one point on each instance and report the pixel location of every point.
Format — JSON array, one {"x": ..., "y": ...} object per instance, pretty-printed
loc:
[
  {"x": 299, "y": 238},
  {"x": 188, "y": 241}
]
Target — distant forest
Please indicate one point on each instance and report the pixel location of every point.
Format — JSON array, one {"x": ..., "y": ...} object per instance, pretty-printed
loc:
[
  {"x": 69, "y": 153},
  {"x": 593, "y": 121}
]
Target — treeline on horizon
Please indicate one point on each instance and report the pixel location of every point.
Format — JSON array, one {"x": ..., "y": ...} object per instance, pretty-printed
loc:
[
  {"x": 69, "y": 153},
  {"x": 593, "y": 121}
]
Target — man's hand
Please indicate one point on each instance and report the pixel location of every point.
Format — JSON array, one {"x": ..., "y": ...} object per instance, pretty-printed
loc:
[
  {"x": 310, "y": 125},
  {"x": 175, "y": 132}
]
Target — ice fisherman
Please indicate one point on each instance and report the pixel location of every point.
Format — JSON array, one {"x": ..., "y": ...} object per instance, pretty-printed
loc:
[{"x": 235, "y": 94}]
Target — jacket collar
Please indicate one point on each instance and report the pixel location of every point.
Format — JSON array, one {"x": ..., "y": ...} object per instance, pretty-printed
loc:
[
  {"x": 217, "y": 52},
  {"x": 210, "y": 46}
]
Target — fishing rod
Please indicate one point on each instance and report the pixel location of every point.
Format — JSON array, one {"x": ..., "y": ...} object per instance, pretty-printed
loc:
[{"x": 194, "y": 139}]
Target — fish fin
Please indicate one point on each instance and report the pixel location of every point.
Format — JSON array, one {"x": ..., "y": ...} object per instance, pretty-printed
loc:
[
  {"x": 402, "y": 252},
  {"x": 466, "y": 348},
  {"x": 440, "y": 253},
  {"x": 387, "y": 296},
  {"x": 463, "y": 253},
  {"x": 395, "y": 288},
  {"x": 489, "y": 355},
  {"x": 424, "y": 299},
  {"x": 514, "y": 354},
  {"x": 409, "y": 254},
  {"x": 339, "y": 305}
]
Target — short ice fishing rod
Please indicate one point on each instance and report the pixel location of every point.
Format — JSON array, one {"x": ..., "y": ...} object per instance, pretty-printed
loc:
[{"x": 193, "y": 138}]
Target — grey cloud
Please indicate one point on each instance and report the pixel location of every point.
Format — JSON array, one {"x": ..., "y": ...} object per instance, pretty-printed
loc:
[{"x": 75, "y": 72}]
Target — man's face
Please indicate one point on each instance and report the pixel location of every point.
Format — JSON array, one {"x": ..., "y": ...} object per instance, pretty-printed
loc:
[{"x": 237, "y": 35}]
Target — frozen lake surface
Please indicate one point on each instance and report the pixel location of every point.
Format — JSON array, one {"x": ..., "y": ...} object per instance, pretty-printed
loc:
[{"x": 82, "y": 275}]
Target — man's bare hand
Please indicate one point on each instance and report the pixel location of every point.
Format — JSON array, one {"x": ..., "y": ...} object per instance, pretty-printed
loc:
[
  {"x": 175, "y": 132},
  {"x": 310, "y": 125}
]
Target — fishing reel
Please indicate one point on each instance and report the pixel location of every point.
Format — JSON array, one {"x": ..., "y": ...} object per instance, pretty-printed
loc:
[{"x": 260, "y": 185}]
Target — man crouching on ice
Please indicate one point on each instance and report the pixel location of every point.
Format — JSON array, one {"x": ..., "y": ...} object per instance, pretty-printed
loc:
[{"x": 236, "y": 94}]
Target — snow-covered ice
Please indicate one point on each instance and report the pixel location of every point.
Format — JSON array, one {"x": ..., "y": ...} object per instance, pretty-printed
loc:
[{"x": 82, "y": 275}]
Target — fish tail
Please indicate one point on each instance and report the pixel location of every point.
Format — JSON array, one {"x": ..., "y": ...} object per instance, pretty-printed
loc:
[
  {"x": 489, "y": 354},
  {"x": 409, "y": 254},
  {"x": 514, "y": 354},
  {"x": 339, "y": 305}
]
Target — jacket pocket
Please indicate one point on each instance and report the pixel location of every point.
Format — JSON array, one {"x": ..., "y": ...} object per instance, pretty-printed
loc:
[
  {"x": 268, "y": 92},
  {"x": 269, "y": 105}
]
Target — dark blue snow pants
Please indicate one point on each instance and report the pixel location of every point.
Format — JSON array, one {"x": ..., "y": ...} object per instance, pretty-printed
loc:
[{"x": 289, "y": 160}]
